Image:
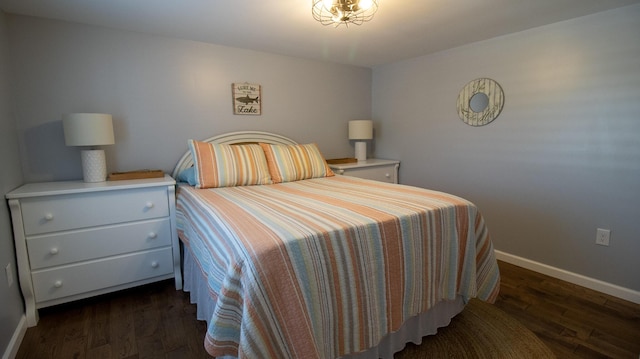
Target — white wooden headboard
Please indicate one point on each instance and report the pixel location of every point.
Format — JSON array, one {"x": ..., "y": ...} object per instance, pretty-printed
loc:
[{"x": 234, "y": 137}]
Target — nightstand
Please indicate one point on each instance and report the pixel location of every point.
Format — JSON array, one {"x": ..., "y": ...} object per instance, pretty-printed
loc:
[
  {"x": 373, "y": 168},
  {"x": 74, "y": 239}
]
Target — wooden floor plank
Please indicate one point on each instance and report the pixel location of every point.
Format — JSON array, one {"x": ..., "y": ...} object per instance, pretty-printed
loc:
[
  {"x": 74, "y": 347},
  {"x": 98, "y": 333},
  {"x": 101, "y": 352},
  {"x": 122, "y": 328}
]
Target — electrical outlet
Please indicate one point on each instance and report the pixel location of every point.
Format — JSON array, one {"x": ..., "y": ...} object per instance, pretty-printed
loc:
[
  {"x": 602, "y": 236},
  {"x": 9, "y": 273}
]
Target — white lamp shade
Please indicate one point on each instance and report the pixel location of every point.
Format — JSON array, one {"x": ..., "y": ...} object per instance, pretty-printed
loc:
[
  {"x": 360, "y": 130},
  {"x": 88, "y": 129}
]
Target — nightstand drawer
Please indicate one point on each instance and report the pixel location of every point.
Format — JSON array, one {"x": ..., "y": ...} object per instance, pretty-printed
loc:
[
  {"x": 65, "y": 212},
  {"x": 69, "y": 280},
  {"x": 376, "y": 169},
  {"x": 86, "y": 244},
  {"x": 380, "y": 173}
]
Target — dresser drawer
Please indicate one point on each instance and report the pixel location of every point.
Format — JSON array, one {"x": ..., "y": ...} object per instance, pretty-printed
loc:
[
  {"x": 58, "y": 213},
  {"x": 85, "y": 244},
  {"x": 379, "y": 173},
  {"x": 84, "y": 277}
]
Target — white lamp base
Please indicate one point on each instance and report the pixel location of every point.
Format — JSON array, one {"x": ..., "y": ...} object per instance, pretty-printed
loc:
[
  {"x": 361, "y": 151},
  {"x": 94, "y": 165}
]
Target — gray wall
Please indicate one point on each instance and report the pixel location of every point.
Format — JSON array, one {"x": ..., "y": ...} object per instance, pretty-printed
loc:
[
  {"x": 11, "y": 307},
  {"x": 163, "y": 91},
  {"x": 562, "y": 159}
]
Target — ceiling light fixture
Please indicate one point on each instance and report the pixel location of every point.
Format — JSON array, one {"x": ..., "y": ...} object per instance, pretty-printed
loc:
[{"x": 338, "y": 12}]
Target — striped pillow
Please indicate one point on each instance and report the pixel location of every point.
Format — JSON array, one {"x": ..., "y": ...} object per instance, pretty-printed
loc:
[
  {"x": 295, "y": 162},
  {"x": 218, "y": 165}
]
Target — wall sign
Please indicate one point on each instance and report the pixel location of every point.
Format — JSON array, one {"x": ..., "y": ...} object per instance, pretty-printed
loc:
[
  {"x": 247, "y": 99},
  {"x": 480, "y": 102}
]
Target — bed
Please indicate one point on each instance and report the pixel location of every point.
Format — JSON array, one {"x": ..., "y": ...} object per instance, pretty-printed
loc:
[{"x": 324, "y": 267}]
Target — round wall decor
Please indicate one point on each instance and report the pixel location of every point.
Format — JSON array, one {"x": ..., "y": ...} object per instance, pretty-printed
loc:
[{"x": 480, "y": 102}]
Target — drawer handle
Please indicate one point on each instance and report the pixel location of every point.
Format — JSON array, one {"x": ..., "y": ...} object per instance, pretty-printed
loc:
[
  {"x": 57, "y": 284},
  {"x": 53, "y": 250},
  {"x": 387, "y": 175},
  {"x": 48, "y": 216},
  {"x": 149, "y": 205},
  {"x": 153, "y": 235},
  {"x": 155, "y": 264}
]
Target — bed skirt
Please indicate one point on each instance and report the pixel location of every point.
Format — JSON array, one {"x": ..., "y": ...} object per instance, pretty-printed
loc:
[{"x": 412, "y": 330}]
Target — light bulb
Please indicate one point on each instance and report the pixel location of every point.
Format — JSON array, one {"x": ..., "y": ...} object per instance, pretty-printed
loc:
[
  {"x": 337, "y": 17},
  {"x": 365, "y": 4}
]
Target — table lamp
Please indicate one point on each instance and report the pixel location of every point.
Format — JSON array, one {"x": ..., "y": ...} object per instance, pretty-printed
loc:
[
  {"x": 89, "y": 130},
  {"x": 361, "y": 130}
]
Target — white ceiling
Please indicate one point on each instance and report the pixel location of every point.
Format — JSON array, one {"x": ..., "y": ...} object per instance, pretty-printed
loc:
[{"x": 401, "y": 29}]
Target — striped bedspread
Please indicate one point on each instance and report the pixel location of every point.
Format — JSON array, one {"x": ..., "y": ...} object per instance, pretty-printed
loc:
[{"x": 325, "y": 267}]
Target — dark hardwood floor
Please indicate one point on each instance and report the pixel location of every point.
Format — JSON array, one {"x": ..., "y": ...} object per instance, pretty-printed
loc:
[
  {"x": 156, "y": 321},
  {"x": 575, "y": 322}
]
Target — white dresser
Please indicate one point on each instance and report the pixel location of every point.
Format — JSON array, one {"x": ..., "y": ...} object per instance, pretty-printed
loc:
[
  {"x": 373, "y": 168},
  {"x": 75, "y": 240}
]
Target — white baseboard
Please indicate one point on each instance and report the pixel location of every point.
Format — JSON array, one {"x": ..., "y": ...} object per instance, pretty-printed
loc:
[
  {"x": 595, "y": 284},
  {"x": 16, "y": 339}
]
